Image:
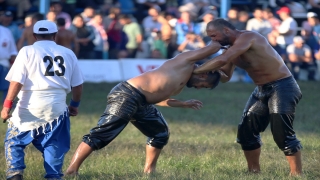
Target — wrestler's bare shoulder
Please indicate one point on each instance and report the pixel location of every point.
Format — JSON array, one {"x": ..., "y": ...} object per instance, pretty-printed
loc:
[{"x": 249, "y": 35}]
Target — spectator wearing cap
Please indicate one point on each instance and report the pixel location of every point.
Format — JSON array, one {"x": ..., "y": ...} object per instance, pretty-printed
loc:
[
  {"x": 313, "y": 21},
  {"x": 206, "y": 17},
  {"x": 56, "y": 7},
  {"x": 285, "y": 33},
  {"x": 258, "y": 24},
  {"x": 310, "y": 31},
  {"x": 150, "y": 23},
  {"x": 7, "y": 21},
  {"x": 299, "y": 55},
  {"x": 43, "y": 74},
  {"x": 8, "y": 52},
  {"x": 314, "y": 6}
]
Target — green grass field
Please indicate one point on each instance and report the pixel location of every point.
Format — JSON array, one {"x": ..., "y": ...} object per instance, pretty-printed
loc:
[{"x": 202, "y": 143}]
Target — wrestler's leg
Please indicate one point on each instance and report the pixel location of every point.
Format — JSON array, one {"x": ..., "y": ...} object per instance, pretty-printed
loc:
[
  {"x": 152, "y": 155},
  {"x": 285, "y": 138},
  {"x": 254, "y": 120},
  {"x": 249, "y": 138},
  {"x": 252, "y": 158},
  {"x": 152, "y": 124},
  {"x": 295, "y": 164},
  {"x": 282, "y": 109},
  {"x": 108, "y": 128},
  {"x": 82, "y": 152}
]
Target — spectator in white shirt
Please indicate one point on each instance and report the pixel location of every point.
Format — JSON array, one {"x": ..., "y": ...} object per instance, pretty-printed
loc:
[
  {"x": 8, "y": 52},
  {"x": 299, "y": 55},
  {"x": 258, "y": 24},
  {"x": 286, "y": 31}
]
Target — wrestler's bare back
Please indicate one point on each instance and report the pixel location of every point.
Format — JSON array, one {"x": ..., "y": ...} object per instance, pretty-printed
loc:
[
  {"x": 262, "y": 63},
  {"x": 171, "y": 77},
  {"x": 166, "y": 81}
]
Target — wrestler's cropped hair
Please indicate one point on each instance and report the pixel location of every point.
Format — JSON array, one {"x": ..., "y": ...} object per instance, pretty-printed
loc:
[
  {"x": 213, "y": 77},
  {"x": 220, "y": 23}
]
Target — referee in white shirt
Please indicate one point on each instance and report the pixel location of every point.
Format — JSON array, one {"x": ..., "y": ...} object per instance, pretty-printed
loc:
[
  {"x": 8, "y": 52},
  {"x": 41, "y": 77}
]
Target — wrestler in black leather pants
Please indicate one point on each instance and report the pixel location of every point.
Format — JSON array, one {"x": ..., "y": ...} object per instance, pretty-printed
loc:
[
  {"x": 274, "y": 102},
  {"x": 126, "y": 104}
]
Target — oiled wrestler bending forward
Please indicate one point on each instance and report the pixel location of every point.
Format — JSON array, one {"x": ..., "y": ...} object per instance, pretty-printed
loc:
[{"x": 134, "y": 99}]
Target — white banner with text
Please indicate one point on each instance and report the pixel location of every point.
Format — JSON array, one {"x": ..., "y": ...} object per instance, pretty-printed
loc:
[
  {"x": 97, "y": 71},
  {"x": 134, "y": 67}
]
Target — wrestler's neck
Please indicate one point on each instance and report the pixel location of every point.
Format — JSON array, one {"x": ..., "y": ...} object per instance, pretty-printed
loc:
[{"x": 234, "y": 35}]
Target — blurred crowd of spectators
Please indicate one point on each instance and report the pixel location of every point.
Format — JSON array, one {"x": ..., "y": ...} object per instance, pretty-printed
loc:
[{"x": 160, "y": 29}]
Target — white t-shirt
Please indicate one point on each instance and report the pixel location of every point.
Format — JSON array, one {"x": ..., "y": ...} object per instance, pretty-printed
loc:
[
  {"x": 285, "y": 26},
  {"x": 291, "y": 49},
  {"x": 47, "y": 72},
  {"x": 7, "y": 46},
  {"x": 262, "y": 27}
]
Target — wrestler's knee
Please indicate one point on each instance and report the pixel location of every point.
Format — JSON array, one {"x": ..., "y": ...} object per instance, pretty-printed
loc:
[
  {"x": 283, "y": 133},
  {"x": 248, "y": 136},
  {"x": 290, "y": 145},
  {"x": 160, "y": 140},
  {"x": 94, "y": 143}
]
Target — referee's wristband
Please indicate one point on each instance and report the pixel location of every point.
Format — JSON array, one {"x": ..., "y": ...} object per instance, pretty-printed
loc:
[
  {"x": 74, "y": 104},
  {"x": 8, "y": 103}
]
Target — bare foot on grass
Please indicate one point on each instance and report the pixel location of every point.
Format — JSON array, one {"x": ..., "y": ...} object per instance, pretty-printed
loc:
[{"x": 71, "y": 173}]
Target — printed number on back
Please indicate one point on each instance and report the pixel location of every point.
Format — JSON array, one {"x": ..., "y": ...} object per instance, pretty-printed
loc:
[{"x": 59, "y": 60}]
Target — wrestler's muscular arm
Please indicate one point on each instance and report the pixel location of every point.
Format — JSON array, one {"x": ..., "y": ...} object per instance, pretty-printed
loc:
[
  {"x": 200, "y": 54},
  {"x": 192, "y": 103},
  {"x": 226, "y": 72},
  {"x": 241, "y": 45},
  {"x": 191, "y": 57}
]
